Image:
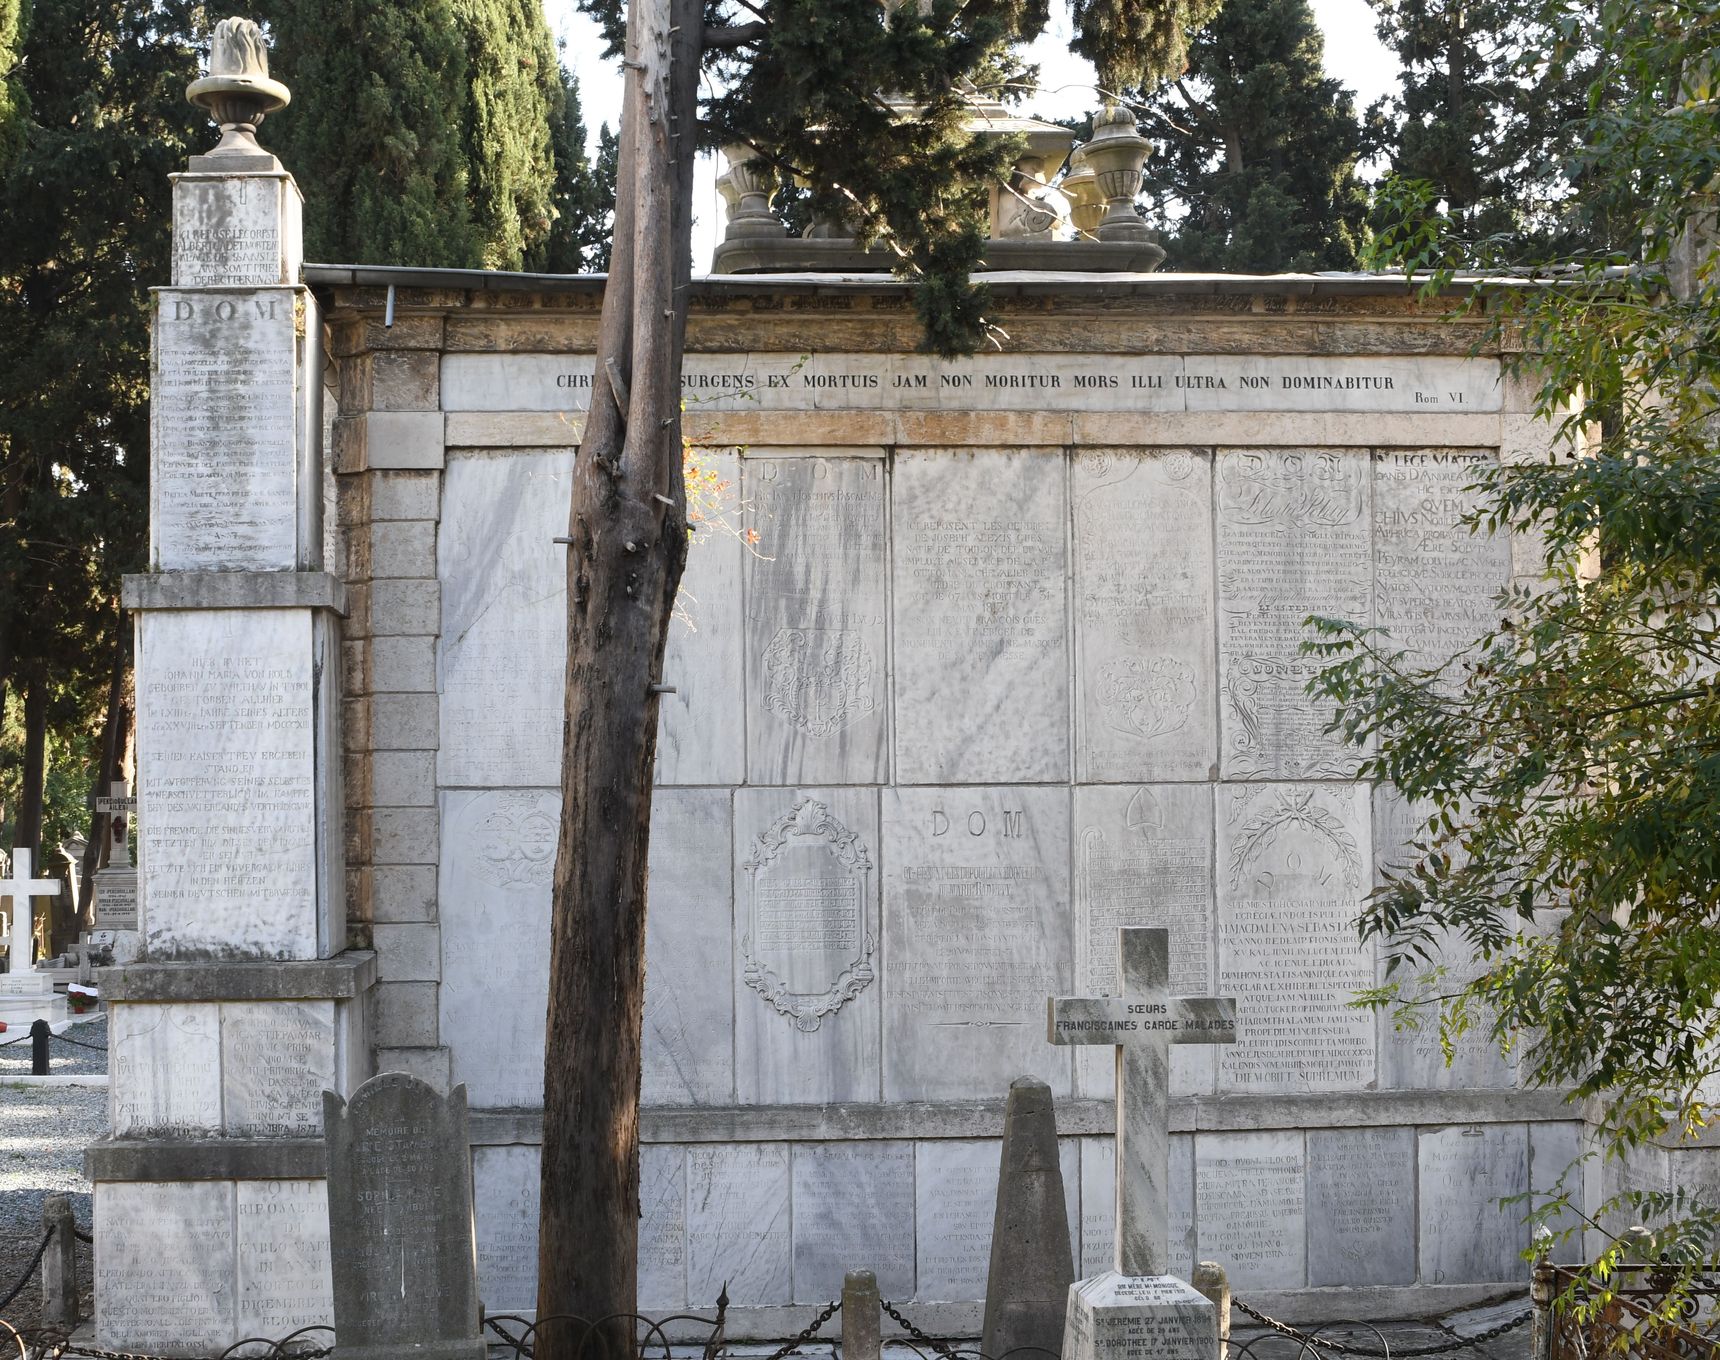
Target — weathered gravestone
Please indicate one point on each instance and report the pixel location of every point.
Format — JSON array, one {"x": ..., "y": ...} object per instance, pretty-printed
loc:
[
  {"x": 21, "y": 979},
  {"x": 401, "y": 1238},
  {"x": 1136, "y": 1311},
  {"x": 1032, "y": 1260}
]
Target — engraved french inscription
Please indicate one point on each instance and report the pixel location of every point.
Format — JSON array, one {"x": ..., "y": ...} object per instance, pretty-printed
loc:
[
  {"x": 1143, "y": 857},
  {"x": 1293, "y": 540},
  {"x": 1291, "y": 873},
  {"x": 1361, "y": 1206},
  {"x": 1471, "y": 1230},
  {"x": 816, "y": 665},
  {"x": 977, "y": 935},
  {"x": 662, "y": 1229},
  {"x": 853, "y": 1202},
  {"x": 1144, "y": 615},
  {"x": 1252, "y": 1215},
  {"x": 505, "y": 1183},
  {"x": 737, "y": 1224},
  {"x": 978, "y": 553}
]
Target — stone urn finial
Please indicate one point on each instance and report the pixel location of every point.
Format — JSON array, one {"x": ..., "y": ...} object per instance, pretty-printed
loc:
[
  {"x": 1118, "y": 153},
  {"x": 237, "y": 92}
]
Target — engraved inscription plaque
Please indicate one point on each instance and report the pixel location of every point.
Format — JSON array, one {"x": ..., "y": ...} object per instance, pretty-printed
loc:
[
  {"x": 284, "y": 1277},
  {"x": 1252, "y": 1213}
]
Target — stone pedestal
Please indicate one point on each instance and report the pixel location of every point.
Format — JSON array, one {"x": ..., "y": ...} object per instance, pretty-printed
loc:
[{"x": 1139, "y": 1317}]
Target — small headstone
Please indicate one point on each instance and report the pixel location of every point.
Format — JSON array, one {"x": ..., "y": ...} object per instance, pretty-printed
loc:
[
  {"x": 401, "y": 1235},
  {"x": 19, "y": 979},
  {"x": 1032, "y": 1262}
]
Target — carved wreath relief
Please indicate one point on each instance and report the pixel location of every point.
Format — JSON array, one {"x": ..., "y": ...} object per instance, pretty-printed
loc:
[
  {"x": 808, "y": 945},
  {"x": 821, "y": 679}
]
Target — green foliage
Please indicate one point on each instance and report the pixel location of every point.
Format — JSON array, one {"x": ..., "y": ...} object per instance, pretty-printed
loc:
[
  {"x": 13, "y": 14},
  {"x": 375, "y": 133},
  {"x": 1490, "y": 113},
  {"x": 1569, "y": 763},
  {"x": 1135, "y": 44},
  {"x": 73, "y": 752},
  {"x": 580, "y": 229},
  {"x": 1257, "y": 167}
]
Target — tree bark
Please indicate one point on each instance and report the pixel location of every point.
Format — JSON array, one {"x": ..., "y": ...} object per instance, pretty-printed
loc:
[
  {"x": 628, "y": 526},
  {"x": 114, "y": 728}
]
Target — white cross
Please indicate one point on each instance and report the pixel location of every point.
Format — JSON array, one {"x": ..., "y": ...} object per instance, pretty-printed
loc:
[
  {"x": 1142, "y": 1023},
  {"x": 115, "y": 810},
  {"x": 20, "y": 887}
]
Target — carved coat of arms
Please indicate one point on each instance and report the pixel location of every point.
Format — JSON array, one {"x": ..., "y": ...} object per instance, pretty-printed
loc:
[
  {"x": 809, "y": 940},
  {"x": 820, "y": 680}
]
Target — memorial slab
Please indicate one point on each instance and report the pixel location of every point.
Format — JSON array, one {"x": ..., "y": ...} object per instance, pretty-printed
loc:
[
  {"x": 504, "y": 618},
  {"x": 1139, "y": 1317},
  {"x": 662, "y": 1229},
  {"x": 164, "y": 1070},
  {"x": 853, "y": 1202},
  {"x": 165, "y": 1267},
  {"x": 1361, "y": 1207},
  {"x": 1099, "y": 1205},
  {"x": 1556, "y": 1171},
  {"x": 1143, "y": 857},
  {"x": 738, "y": 1224},
  {"x": 235, "y": 230},
  {"x": 817, "y": 665},
  {"x": 1144, "y": 615},
  {"x": 1292, "y": 871},
  {"x": 277, "y": 1057},
  {"x": 498, "y": 853},
  {"x": 1250, "y": 1208},
  {"x": 976, "y": 892},
  {"x": 1467, "y": 1235},
  {"x": 230, "y": 704},
  {"x": 505, "y": 1184},
  {"x": 285, "y": 1282},
  {"x": 980, "y": 568},
  {"x": 955, "y": 1197},
  {"x": 689, "y": 1023},
  {"x": 233, "y": 397},
  {"x": 401, "y": 1240},
  {"x": 806, "y": 994},
  {"x": 1293, "y": 540}
]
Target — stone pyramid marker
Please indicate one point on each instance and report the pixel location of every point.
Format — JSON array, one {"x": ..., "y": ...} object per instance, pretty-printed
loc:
[
  {"x": 1032, "y": 1263},
  {"x": 1137, "y": 1311}
]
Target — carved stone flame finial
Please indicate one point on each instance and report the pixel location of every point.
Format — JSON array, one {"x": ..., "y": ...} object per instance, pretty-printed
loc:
[{"x": 237, "y": 92}]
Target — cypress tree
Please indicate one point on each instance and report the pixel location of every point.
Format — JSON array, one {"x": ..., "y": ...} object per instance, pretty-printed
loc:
[
  {"x": 579, "y": 228},
  {"x": 1258, "y": 174},
  {"x": 376, "y": 134},
  {"x": 11, "y": 110}
]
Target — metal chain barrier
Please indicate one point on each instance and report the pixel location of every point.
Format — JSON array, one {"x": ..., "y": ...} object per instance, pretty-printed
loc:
[
  {"x": 808, "y": 1332},
  {"x": 29, "y": 1270},
  {"x": 1406, "y": 1353},
  {"x": 943, "y": 1348}
]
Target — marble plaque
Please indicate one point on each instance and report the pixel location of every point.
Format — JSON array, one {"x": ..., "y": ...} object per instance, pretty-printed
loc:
[
  {"x": 955, "y": 1206},
  {"x": 853, "y": 1207},
  {"x": 235, "y": 229},
  {"x": 1249, "y": 1207},
  {"x": 981, "y": 658},
  {"x": 662, "y": 1229},
  {"x": 817, "y": 668},
  {"x": 737, "y": 1224},
  {"x": 1139, "y": 1317},
  {"x": 165, "y": 1070},
  {"x": 977, "y": 936},
  {"x": 1413, "y": 1057},
  {"x": 806, "y": 993},
  {"x": 1361, "y": 1207},
  {"x": 1435, "y": 582},
  {"x": 500, "y": 661},
  {"x": 228, "y": 399},
  {"x": 498, "y": 855},
  {"x": 1001, "y": 382},
  {"x": 505, "y": 1184},
  {"x": 1292, "y": 871},
  {"x": 1293, "y": 540},
  {"x": 1467, "y": 1235},
  {"x": 1144, "y": 616},
  {"x": 1099, "y": 1205},
  {"x": 1555, "y": 1171},
  {"x": 1143, "y": 857},
  {"x": 227, "y": 826},
  {"x": 165, "y": 1267},
  {"x": 700, "y": 736},
  {"x": 277, "y": 1058},
  {"x": 116, "y": 899},
  {"x": 689, "y": 1023},
  {"x": 285, "y": 1282}
]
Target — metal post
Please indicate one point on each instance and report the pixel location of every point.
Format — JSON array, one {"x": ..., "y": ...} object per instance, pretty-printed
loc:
[
  {"x": 862, "y": 1317},
  {"x": 1210, "y": 1279},
  {"x": 39, "y": 1033},
  {"x": 60, "y": 1265},
  {"x": 1541, "y": 1289}
]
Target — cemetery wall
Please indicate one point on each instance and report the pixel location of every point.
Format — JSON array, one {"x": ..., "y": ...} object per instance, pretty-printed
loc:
[{"x": 1012, "y": 661}]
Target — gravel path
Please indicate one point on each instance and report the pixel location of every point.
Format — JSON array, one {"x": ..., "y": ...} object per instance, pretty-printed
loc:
[
  {"x": 81, "y": 1050},
  {"x": 43, "y": 1133}
]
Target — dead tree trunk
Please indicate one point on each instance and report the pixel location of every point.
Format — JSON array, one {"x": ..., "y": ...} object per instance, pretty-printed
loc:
[{"x": 628, "y": 531}]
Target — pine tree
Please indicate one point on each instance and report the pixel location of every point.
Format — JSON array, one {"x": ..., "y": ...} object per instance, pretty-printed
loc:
[
  {"x": 1257, "y": 171},
  {"x": 580, "y": 229}
]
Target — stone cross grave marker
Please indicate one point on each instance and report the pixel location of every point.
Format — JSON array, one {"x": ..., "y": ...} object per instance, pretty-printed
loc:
[
  {"x": 21, "y": 888},
  {"x": 401, "y": 1236},
  {"x": 1137, "y": 1311},
  {"x": 115, "y": 812},
  {"x": 1143, "y": 1023}
]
